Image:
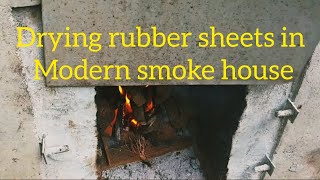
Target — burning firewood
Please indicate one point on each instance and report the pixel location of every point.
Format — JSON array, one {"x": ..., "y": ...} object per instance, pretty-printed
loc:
[{"x": 108, "y": 130}]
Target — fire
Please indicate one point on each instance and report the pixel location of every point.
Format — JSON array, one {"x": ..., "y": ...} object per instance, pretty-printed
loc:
[
  {"x": 121, "y": 90},
  {"x": 108, "y": 130},
  {"x": 114, "y": 117},
  {"x": 134, "y": 122},
  {"x": 128, "y": 105},
  {"x": 127, "y": 111},
  {"x": 127, "y": 115},
  {"x": 149, "y": 106}
]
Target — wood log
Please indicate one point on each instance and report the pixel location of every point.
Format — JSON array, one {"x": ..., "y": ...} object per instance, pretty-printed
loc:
[
  {"x": 175, "y": 114},
  {"x": 105, "y": 114},
  {"x": 137, "y": 95},
  {"x": 138, "y": 113}
]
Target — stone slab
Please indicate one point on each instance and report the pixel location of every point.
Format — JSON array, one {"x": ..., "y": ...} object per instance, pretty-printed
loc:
[
  {"x": 19, "y": 3},
  {"x": 180, "y": 16}
]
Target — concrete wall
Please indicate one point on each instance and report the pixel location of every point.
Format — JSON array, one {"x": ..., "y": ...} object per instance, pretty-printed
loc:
[
  {"x": 180, "y": 16},
  {"x": 258, "y": 130},
  {"x": 18, "y": 155},
  {"x": 67, "y": 116},
  {"x": 29, "y": 109},
  {"x": 298, "y": 155},
  {"x": 19, "y": 3}
]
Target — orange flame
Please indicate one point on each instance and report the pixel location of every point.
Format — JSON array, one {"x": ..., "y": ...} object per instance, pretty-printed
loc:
[
  {"x": 149, "y": 106},
  {"x": 108, "y": 130},
  {"x": 128, "y": 105},
  {"x": 121, "y": 90},
  {"x": 114, "y": 117}
]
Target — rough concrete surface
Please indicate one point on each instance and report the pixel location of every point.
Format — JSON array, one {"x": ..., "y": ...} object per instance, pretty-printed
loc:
[
  {"x": 298, "y": 155},
  {"x": 67, "y": 115},
  {"x": 19, "y": 3},
  {"x": 105, "y": 16},
  {"x": 258, "y": 130},
  {"x": 19, "y": 150}
]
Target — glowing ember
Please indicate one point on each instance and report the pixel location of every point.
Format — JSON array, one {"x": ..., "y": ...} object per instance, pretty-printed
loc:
[
  {"x": 115, "y": 117},
  {"x": 149, "y": 106},
  {"x": 134, "y": 122}
]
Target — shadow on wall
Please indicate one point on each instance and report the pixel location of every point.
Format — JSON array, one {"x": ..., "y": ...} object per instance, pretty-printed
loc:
[{"x": 215, "y": 119}]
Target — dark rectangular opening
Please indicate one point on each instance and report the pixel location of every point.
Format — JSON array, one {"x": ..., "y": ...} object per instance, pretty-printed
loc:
[{"x": 136, "y": 123}]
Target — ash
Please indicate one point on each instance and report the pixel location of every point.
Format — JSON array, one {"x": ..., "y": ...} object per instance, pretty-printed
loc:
[{"x": 176, "y": 165}]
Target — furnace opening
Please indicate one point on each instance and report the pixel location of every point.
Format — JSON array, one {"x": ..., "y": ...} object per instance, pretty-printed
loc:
[{"x": 137, "y": 123}]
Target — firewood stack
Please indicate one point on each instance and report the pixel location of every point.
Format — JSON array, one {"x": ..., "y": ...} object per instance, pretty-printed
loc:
[{"x": 146, "y": 102}]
